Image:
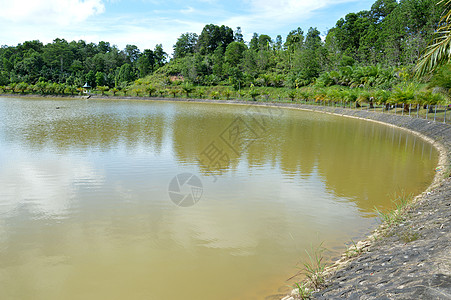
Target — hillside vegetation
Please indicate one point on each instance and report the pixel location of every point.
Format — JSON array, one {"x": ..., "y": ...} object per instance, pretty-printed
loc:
[{"x": 368, "y": 56}]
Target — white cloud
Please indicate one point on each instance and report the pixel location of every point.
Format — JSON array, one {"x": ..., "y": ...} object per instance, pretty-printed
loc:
[
  {"x": 142, "y": 32},
  {"x": 145, "y": 24},
  {"x": 50, "y": 12},
  {"x": 269, "y": 14},
  {"x": 188, "y": 10}
]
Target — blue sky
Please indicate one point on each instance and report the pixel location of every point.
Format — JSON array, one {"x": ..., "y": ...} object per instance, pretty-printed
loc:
[{"x": 146, "y": 23}]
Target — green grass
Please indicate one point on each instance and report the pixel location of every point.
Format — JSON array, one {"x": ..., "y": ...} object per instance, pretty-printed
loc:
[
  {"x": 353, "y": 251},
  {"x": 303, "y": 291},
  {"x": 314, "y": 271},
  {"x": 409, "y": 235},
  {"x": 397, "y": 214},
  {"x": 447, "y": 172}
]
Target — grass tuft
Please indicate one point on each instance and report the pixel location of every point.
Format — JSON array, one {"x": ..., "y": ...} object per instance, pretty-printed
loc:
[
  {"x": 353, "y": 251},
  {"x": 303, "y": 291},
  {"x": 398, "y": 213},
  {"x": 409, "y": 235},
  {"x": 314, "y": 271}
]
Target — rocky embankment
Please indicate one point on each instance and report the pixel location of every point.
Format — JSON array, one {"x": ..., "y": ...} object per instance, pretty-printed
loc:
[{"x": 410, "y": 259}]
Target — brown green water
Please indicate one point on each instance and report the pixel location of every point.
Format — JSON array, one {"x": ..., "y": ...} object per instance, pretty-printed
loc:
[{"x": 85, "y": 211}]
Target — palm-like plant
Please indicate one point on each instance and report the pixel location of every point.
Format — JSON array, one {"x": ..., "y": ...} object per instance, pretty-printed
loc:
[
  {"x": 292, "y": 94},
  {"x": 200, "y": 93},
  {"x": 277, "y": 80},
  {"x": 439, "y": 51},
  {"x": 382, "y": 97},
  {"x": 114, "y": 91},
  {"x": 150, "y": 89},
  {"x": 12, "y": 87},
  {"x": 320, "y": 95},
  {"x": 71, "y": 89},
  {"x": 254, "y": 94},
  {"x": 80, "y": 90},
  {"x": 22, "y": 87},
  {"x": 174, "y": 92},
  {"x": 103, "y": 89},
  {"x": 305, "y": 94},
  {"x": 59, "y": 88},
  {"x": 215, "y": 95},
  {"x": 227, "y": 93},
  {"x": 333, "y": 95},
  {"x": 351, "y": 96},
  {"x": 364, "y": 97},
  {"x": 162, "y": 92},
  {"x": 187, "y": 88},
  {"x": 51, "y": 88},
  {"x": 41, "y": 86},
  {"x": 404, "y": 95}
]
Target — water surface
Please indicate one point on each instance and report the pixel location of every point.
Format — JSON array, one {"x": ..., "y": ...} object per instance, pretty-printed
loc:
[{"x": 85, "y": 211}]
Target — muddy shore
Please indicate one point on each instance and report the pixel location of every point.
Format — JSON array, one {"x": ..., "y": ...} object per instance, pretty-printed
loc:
[{"x": 389, "y": 267}]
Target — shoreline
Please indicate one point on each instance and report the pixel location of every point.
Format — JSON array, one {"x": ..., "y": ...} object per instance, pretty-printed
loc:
[
  {"x": 386, "y": 266},
  {"x": 383, "y": 253}
]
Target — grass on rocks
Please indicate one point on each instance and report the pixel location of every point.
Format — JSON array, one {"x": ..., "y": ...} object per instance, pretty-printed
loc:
[
  {"x": 314, "y": 270},
  {"x": 402, "y": 203},
  {"x": 409, "y": 235},
  {"x": 395, "y": 216},
  {"x": 354, "y": 250}
]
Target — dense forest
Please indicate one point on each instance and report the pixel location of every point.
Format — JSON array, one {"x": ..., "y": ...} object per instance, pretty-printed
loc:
[{"x": 374, "y": 49}]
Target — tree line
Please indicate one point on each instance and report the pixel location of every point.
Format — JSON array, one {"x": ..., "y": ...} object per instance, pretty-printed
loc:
[
  {"x": 374, "y": 48},
  {"x": 75, "y": 63},
  {"x": 390, "y": 35}
]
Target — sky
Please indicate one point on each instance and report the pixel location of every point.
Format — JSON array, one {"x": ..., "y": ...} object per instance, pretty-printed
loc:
[{"x": 145, "y": 23}]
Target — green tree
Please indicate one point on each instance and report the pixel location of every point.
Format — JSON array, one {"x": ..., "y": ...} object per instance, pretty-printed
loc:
[
  {"x": 160, "y": 56},
  {"x": 253, "y": 44},
  {"x": 234, "y": 53},
  {"x": 146, "y": 63},
  {"x": 264, "y": 42},
  {"x": 238, "y": 35},
  {"x": 350, "y": 30},
  {"x": 381, "y": 9},
  {"x": 4, "y": 78},
  {"x": 22, "y": 87},
  {"x": 214, "y": 36},
  {"x": 236, "y": 77},
  {"x": 254, "y": 93},
  {"x": 104, "y": 47},
  {"x": 187, "y": 88},
  {"x": 278, "y": 43},
  {"x": 218, "y": 61},
  {"x": 132, "y": 53},
  {"x": 185, "y": 45},
  {"x": 41, "y": 86},
  {"x": 103, "y": 89},
  {"x": 125, "y": 74},
  {"x": 438, "y": 52},
  {"x": 100, "y": 79},
  {"x": 70, "y": 89},
  {"x": 150, "y": 89},
  {"x": 295, "y": 40}
]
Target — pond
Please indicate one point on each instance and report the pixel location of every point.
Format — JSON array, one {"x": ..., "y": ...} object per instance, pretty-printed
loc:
[{"x": 163, "y": 200}]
